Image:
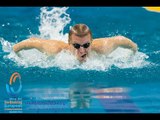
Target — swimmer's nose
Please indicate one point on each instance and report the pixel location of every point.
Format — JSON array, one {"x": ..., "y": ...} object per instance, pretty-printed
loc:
[{"x": 81, "y": 49}]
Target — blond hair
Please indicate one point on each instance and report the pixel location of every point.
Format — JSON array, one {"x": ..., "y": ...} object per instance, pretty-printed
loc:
[{"x": 79, "y": 30}]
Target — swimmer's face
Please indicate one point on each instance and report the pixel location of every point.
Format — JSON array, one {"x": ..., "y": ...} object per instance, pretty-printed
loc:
[{"x": 81, "y": 46}]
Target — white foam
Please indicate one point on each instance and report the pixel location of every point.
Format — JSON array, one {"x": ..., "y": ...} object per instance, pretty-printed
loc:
[
  {"x": 121, "y": 58},
  {"x": 6, "y": 46}
]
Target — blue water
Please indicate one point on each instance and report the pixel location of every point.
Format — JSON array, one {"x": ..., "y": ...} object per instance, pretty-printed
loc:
[{"x": 120, "y": 88}]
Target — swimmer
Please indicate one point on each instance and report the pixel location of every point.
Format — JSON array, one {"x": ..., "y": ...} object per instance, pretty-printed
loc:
[{"x": 80, "y": 43}]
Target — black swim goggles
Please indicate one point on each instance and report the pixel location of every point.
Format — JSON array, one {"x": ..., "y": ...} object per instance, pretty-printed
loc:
[{"x": 77, "y": 46}]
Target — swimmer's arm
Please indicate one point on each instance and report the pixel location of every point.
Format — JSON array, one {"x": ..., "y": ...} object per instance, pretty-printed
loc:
[
  {"x": 121, "y": 41},
  {"x": 49, "y": 47},
  {"x": 28, "y": 44}
]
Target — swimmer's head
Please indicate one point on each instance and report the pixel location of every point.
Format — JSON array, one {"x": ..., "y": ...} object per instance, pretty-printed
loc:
[{"x": 80, "y": 38}]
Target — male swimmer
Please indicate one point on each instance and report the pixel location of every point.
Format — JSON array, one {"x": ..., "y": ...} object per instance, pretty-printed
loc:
[{"x": 80, "y": 43}]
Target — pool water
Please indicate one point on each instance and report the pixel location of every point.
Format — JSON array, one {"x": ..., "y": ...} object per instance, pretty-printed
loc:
[{"x": 120, "y": 83}]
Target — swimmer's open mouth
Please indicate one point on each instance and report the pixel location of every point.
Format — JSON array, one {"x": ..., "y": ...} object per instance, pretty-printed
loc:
[{"x": 83, "y": 56}]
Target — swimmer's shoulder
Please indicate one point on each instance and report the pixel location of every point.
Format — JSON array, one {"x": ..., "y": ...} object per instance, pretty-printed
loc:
[
  {"x": 101, "y": 45},
  {"x": 96, "y": 40},
  {"x": 99, "y": 42},
  {"x": 60, "y": 44},
  {"x": 105, "y": 41},
  {"x": 97, "y": 45},
  {"x": 51, "y": 42}
]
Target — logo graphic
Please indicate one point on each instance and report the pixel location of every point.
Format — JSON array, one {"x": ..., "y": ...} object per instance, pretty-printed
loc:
[{"x": 15, "y": 86}]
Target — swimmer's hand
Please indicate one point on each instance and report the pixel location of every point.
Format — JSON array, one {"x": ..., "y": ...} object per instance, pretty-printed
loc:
[
  {"x": 16, "y": 52},
  {"x": 16, "y": 48}
]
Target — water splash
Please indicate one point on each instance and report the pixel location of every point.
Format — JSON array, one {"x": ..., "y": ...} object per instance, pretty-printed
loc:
[
  {"x": 52, "y": 23},
  {"x": 65, "y": 60},
  {"x": 121, "y": 58},
  {"x": 6, "y": 46}
]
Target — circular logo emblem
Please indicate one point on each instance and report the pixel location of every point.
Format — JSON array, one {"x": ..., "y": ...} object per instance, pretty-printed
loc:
[{"x": 15, "y": 86}]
